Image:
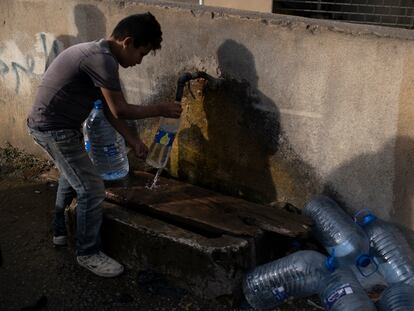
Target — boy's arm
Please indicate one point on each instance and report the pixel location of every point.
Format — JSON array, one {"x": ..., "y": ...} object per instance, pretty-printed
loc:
[
  {"x": 130, "y": 137},
  {"x": 120, "y": 109}
]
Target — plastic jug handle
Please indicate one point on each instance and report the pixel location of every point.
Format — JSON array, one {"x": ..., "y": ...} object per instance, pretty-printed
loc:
[{"x": 373, "y": 263}]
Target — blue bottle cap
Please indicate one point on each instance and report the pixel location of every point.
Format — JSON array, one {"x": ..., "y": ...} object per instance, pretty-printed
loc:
[
  {"x": 98, "y": 104},
  {"x": 330, "y": 263},
  {"x": 368, "y": 219},
  {"x": 363, "y": 261},
  {"x": 364, "y": 217}
]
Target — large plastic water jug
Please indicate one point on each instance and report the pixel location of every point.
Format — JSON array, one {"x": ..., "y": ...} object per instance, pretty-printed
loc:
[
  {"x": 345, "y": 241},
  {"x": 107, "y": 147},
  {"x": 297, "y": 275},
  {"x": 397, "y": 297},
  {"x": 342, "y": 292},
  {"x": 391, "y": 251}
]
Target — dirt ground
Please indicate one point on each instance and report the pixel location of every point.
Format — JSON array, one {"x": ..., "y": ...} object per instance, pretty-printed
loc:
[{"x": 36, "y": 276}]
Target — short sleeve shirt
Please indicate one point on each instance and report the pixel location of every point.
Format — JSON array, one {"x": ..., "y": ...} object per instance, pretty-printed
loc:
[{"x": 72, "y": 84}]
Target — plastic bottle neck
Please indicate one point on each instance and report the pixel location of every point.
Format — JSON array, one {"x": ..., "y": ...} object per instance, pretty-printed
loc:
[
  {"x": 363, "y": 261},
  {"x": 368, "y": 219},
  {"x": 364, "y": 217},
  {"x": 330, "y": 263}
]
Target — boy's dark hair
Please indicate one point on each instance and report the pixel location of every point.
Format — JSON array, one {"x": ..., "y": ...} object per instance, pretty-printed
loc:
[{"x": 143, "y": 28}]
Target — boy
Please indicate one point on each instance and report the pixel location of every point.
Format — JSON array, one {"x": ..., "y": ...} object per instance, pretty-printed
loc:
[{"x": 75, "y": 79}]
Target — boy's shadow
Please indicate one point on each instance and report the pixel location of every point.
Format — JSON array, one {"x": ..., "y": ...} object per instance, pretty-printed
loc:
[
  {"x": 372, "y": 181},
  {"x": 91, "y": 25},
  {"x": 242, "y": 132}
]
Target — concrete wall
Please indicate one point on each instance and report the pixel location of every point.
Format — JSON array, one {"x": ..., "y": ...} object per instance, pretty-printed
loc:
[
  {"x": 306, "y": 106},
  {"x": 257, "y": 5}
]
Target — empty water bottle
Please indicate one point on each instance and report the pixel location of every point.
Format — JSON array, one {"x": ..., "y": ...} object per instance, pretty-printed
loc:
[
  {"x": 342, "y": 292},
  {"x": 160, "y": 148},
  {"x": 107, "y": 147},
  {"x": 370, "y": 280},
  {"x": 346, "y": 242},
  {"x": 398, "y": 297},
  {"x": 391, "y": 251},
  {"x": 296, "y": 275}
]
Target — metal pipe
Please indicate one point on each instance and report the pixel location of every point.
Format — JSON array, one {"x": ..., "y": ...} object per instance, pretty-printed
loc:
[
  {"x": 182, "y": 80},
  {"x": 187, "y": 76}
]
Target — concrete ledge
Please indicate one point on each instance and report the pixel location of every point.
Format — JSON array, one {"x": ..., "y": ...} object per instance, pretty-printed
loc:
[
  {"x": 207, "y": 263},
  {"x": 210, "y": 267},
  {"x": 204, "y": 241}
]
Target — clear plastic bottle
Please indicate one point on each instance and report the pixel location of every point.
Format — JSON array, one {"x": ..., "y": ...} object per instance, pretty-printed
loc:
[
  {"x": 345, "y": 241},
  {"x": 392, "y": 253},
  {"x": 86, "y": 141},
  {"x": 296, "y": 275},
  {"x": 342, "y": 292},
  {"x": 398, "y": 297},
  {"x": 371, "y": 281},
  {"x": 107, "y": 146},
  {"x": 160, "y": 148}
]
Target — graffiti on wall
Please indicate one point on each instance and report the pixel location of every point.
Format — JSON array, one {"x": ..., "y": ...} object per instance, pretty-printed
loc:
[{"x": 18, "y": 67}]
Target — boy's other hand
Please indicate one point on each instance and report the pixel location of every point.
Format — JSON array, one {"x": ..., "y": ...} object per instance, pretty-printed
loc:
[
  {"x": 170, "y": 110},
  {"x": 140, "y": 149}
]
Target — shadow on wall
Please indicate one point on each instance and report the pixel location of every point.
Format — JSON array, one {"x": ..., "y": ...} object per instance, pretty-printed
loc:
[
  {"x": 382, "y": 182},
  {"x": 402, "y": 211},
  {"x": 241, "y": 134},
  {"x": 90, "y": 23}
]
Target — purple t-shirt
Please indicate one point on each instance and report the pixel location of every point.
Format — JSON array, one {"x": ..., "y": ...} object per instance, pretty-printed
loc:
[{"x": 72, "y": 84}]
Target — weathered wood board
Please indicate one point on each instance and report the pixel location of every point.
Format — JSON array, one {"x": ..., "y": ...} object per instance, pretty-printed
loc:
[{"x": 204, "y": 209}]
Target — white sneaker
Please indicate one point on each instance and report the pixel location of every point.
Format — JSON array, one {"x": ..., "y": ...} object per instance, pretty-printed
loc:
[
  {"x": 101, "y": 265},
  {"x": 61, "y": 240}
]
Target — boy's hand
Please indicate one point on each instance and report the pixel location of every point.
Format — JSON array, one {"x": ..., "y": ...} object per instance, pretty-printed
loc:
[
  {"x": 140, "y": 149},
  {"x": 170, "y": 110}
]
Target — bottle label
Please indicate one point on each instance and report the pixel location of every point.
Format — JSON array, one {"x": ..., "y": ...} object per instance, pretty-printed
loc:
[
  {"x": 280, "y": 293},
  {"x": 164, "y": 138},
  {"x": 110, "y": 150},
  {"x": 341, "y": 291}
]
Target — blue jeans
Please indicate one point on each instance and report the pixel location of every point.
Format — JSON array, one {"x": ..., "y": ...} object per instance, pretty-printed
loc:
[{"x": 78, "y": 177}]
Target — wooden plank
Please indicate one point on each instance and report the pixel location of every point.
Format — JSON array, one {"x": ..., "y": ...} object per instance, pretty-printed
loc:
[
  {"x": 264, "y": 217},
  {"x": 204, "y": 209},
  {"x": 185, "y": 210}
]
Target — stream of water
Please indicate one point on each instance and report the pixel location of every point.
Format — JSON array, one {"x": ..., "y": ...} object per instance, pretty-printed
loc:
[{"x": 154, "y": 182}]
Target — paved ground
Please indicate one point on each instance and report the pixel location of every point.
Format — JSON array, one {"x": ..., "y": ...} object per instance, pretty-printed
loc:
[{"x": 36, "y": 276}]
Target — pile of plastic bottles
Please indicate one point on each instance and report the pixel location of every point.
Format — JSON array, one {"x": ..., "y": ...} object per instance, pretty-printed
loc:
[{"x": 359, "y": 248}]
